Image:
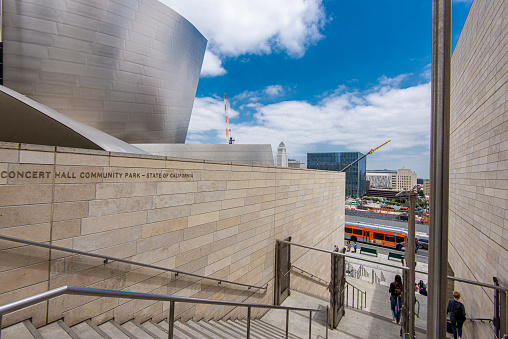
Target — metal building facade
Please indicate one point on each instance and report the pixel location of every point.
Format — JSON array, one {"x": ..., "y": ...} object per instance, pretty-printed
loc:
[{"x": 129, "y": 68}]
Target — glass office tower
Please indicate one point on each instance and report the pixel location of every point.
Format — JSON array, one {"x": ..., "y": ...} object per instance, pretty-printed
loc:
[{"x": 356, "y": 178}]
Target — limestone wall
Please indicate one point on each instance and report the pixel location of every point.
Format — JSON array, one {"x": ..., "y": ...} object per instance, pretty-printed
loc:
[
  {"x": 478, "y": 235},
  {"x": 214, "y": 219}
]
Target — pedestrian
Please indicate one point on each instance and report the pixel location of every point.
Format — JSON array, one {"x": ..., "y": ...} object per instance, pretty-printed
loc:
[
  {"x": 349, "y": 246},
  {"x": 355, "y": 246},
  {"x": 395, "y": 298},
  {"x": 457, "y": 314},
  {"x": 422, "y": 288}
]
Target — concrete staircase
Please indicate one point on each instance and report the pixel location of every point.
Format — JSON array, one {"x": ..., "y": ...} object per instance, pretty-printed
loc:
[
  {"x": 372, "y": 322},
  {"x": 147, "y": 330}
]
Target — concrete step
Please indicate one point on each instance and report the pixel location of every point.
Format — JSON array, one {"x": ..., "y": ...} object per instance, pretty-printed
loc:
[
  {"x": 180, "y": 329},
  {"x": 115, "y": 331},
  {"x": 88, "y": 330},
  {"x": 153, "y": 328},
  {"x": 192, "y": 331},
  {"x": 57, "y": 330},
  {"x": 257, "y": 328},
  {"x": 161, "y": 329},
  {"x": 139, "y": 331},
  {"x": 212, "y": 332},
  {"x": 19, "y": 331},
  {"x": 241, "y": 328},
  {"x": 224, "y": 327}
]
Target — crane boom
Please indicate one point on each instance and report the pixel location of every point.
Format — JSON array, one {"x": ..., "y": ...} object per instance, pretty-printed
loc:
[{"x": 360, "y": 158}]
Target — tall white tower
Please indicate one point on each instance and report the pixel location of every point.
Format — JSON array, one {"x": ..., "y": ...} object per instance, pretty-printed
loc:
[{"x": 282, "y": 156}]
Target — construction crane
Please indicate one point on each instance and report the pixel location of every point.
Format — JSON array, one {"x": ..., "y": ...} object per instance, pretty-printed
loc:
[
  {"x": 229, "y": 138},
  {"x": 360, "y": 158}
]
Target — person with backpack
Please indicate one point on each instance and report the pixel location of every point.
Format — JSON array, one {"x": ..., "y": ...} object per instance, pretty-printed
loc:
[
  {"x": 355, "y": 247},
  {"x": 395, "y": 298},
  {"x": 457, "y": 314}
]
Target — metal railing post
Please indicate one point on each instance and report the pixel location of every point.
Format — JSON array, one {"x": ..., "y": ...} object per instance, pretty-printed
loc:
[
  {"x": 497, "y": 317},
  {"x": 287, "y": 323},
  {"x": 353, "y": 301},
  {"x": 171, "y": 319},
  {"x": 248, "y": 322},
  {"x": 503, "y": 316},
  {"x": 327, "y": 320},
  {"x": 310, "y": 324},
  {"x": 347, "y": 295},
  {"x": 500, "y": 311},
  {"x": 357, "y": 297}
]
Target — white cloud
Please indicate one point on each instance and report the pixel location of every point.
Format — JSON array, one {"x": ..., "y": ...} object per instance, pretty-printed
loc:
[
  {"x": 384, "y": 80},
  {"x": 238, "y": 27},
  {"x": 269, "y": 92},
  {"x": 212, "y": 65},
  {"x": 208, "y": 114},
  {"x": 341, "y": 121},
  {"x": 274, "y": 90}
]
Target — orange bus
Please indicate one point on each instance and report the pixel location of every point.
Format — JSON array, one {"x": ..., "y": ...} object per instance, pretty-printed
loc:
[{"x": 376, "y": 234}]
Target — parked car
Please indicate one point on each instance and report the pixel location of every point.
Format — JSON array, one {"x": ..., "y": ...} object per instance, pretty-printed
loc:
[{"x": 423, "y": 243}]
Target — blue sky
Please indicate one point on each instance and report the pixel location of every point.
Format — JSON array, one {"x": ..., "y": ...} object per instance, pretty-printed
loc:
[{"x": 320, "y": 75}]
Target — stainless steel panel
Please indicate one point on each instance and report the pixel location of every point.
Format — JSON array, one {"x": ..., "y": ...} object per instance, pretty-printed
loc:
[
  {"x": 50, "y": 127},
  {"x": 66, "y": 55},
  {"x": 87, "y": 58}
]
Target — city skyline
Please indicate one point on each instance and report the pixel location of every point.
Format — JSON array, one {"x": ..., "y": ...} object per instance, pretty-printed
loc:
[{"x": 322, "y": 76}]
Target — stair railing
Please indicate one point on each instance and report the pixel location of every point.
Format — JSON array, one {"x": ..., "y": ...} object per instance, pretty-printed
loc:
[
  {"x": 66, "y": 290},
  {"x": 293, "y": 267},
  {"x": 361, "y": 297},
  {"x": 375, "y": 278},
  {"x": 111, "y": 259}
]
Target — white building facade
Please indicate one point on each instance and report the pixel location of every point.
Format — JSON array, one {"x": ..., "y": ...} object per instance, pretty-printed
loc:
[
  {"x": 282, "y": 156},
  {"x": 296, "y": 164},
  {"x": 382, "y": 179},
  {"x": 406, "y": 179}
]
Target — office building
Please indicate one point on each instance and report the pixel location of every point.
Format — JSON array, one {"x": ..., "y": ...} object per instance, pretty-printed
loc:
[
  {"x": 426, "y": 187},
  {"x": 383, "y": 179},
  {"x": 296, "y": 164},
  {"x": 356, "y": 180},
  {"x": 405, "y": 180}
]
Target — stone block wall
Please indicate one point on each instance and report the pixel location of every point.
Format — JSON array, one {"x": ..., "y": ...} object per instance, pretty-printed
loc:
[
  {"x": 214, "y": 219},
  {"x": 478, "y": 233}
]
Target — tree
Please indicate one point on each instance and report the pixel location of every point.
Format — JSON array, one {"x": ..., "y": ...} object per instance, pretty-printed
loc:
[{"x": 420, "y": 193}]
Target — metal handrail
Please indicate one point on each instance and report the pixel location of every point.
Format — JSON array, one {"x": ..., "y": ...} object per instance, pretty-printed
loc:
[
  {"x": 472, "y": 282},
  {"x": 345, "y": 255},
  {"x": 109, "y": 258},
  {"x": 359, "y": 293},
  {"x": 500, "y": 288},
  {"x": 94, "y": 292},
  {"x": 312, "y": 275}
]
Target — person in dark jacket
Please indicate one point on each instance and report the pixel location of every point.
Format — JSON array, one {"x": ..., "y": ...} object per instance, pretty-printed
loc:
[
  {"x": 395, "y": 298},
  {"x": 457, "y": 314}
]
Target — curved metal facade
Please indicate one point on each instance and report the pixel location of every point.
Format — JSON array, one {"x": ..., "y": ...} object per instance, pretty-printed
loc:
[{"x": 129, "y": 68}]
